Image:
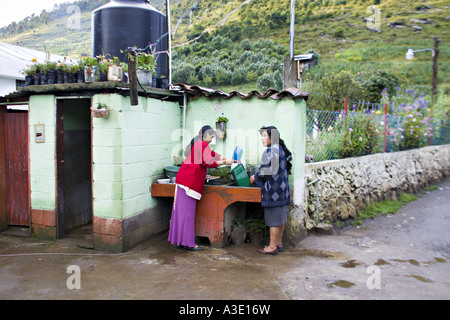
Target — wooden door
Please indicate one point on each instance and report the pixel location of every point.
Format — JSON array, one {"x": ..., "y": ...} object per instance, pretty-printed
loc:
[{"x": 17, "y": 177}]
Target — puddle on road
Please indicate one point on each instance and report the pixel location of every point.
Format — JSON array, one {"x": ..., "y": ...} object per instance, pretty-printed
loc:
[
  {"x": 340, "y": 284},
  {"x": 381, "y": 262},
  {"x": 411, "y": 261},
  {"x": 333, "y": 255},
  {"x": 420, "y": 278},
  {"x": 351, "y": 264}
]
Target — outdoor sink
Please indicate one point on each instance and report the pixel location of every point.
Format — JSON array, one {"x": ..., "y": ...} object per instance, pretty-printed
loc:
[{"x": 220, "y": 182}]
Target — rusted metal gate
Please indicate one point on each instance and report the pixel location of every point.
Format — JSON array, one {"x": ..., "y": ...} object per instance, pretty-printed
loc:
[{"x": 16, "y": 158}]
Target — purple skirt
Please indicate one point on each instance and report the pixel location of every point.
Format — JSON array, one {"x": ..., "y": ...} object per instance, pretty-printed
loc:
[{"x": 182, "y": 223}]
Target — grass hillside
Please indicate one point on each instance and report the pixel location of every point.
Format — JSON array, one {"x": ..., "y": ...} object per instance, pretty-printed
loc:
[{"x": 240, "y": 44}]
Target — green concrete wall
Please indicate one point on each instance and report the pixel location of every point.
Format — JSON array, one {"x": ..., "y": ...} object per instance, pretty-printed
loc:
[
  {"x": 130, "y": 150},
  {"x": 42, "y": 110},
  {"x": 245, "y": 119},
  {"x": 133, "y": 145}
]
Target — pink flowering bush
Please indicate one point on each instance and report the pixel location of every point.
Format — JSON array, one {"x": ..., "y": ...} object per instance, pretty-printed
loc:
[
  {"x": 360, "y": 137},
  {"x": 415, "y": 127}
]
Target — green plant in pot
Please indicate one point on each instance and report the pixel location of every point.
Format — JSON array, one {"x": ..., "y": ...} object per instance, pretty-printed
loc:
[
  {"x": 100, "y": 111},
  {"x": 221, "y": 128},
  {"x": 145, "y": 65},
  {"x": 115, "y": 69},
  {"x": 30, "y": 72},
  {"x": 103, "y": 64},
  {"x": 91, "y": 69}
]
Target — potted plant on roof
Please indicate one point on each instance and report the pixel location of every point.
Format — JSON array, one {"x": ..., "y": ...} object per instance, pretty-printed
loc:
[
  {"x": 101, "y": 111},
  {"x": 37, "y": 75},
  {"x": 66, "y": 72},
  {"x": 60, "y": 72},
  {"x": 91, "y": 71},
  {"x": 48, "y": 70},
  {"x": 221, "y": 127},
  {"x": 78, "y": 71},
  {"x": 114, "y": 70},
  {"x": 145, "y": 65},
  {"x": 30, "y": 72}
]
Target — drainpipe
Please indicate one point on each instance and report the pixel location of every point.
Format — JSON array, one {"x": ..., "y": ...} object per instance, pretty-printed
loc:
[
  {"x": 169, "y": 41},
  {"x": 185, "y": 102}
]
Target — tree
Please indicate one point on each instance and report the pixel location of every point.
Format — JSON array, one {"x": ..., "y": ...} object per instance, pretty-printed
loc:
[
  {"x": 375, "y": 81},
  {"x": 331, "y": 90}
]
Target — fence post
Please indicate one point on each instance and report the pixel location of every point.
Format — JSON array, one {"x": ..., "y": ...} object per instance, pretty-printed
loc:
[
  {"x": 432, "y": 128},
  {"x": 345, "y": 111},
  {"x": 385, "y": 128}
]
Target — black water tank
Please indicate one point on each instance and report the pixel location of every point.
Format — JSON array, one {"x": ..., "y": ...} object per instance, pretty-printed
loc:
[{"x": 127, "y": 23}]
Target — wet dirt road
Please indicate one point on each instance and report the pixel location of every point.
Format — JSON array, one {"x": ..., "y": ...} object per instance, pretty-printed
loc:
[{"x": 401, "y": 256}]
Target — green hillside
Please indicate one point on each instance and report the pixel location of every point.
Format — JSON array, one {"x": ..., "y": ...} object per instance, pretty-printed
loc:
[{"x": 240, "y": 44}]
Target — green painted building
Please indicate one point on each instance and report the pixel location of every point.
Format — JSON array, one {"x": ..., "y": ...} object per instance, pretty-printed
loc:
[{"x": 97, "y": 172}]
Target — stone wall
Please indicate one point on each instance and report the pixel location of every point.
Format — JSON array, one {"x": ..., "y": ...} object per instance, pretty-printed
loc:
[{"x": 350, "y": 184}]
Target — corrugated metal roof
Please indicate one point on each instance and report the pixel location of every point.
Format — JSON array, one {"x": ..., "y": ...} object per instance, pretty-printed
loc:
[
  {"x": 197, "y": 92},
  {"x": 14, "y": 59}
]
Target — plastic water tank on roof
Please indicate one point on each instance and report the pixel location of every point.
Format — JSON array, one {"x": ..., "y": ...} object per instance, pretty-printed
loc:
[{"x": 121, "y": 24}]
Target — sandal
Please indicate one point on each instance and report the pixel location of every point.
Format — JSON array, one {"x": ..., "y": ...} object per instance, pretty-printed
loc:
[
  {"x": 280, "y": 247},
  {"x": 196, "y": 248},
  {"x": 274, "y": 252}
]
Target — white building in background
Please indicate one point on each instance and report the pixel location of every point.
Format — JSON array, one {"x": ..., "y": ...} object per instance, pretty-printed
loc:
[{"x": 13, "y": 60}]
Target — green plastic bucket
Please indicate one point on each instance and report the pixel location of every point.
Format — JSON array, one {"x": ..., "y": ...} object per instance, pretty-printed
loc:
[{"x": 241, "y": 176}]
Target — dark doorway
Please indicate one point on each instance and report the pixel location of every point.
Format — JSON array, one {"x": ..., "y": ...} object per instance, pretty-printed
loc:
[{"x": 74, "y": 170}]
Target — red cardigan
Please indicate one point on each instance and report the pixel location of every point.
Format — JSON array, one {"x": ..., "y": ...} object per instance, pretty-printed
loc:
[{"x": 192, "y": 173}]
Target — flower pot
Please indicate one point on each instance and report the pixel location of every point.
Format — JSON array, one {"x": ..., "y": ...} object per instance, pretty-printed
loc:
[
  {"x": 51, "y": 77},
  {"x": 91, "y": 74},
  {"x": 145, "y": 77},
  {"x": 100, "y": 113},
  {"x": 29, "y": 81},
  {"x": 43, "y": 80},
  {"x": 221, "y": 129},
  {"x": 59, "y": 76},
  {"x": 73, "y": 77},
  {"x": 80, "y": 76},
  {"x": 66, "y": 77},
  {"x": 102, "y": 76},
  {"x": 115, "y": 73},
  {"x": 37, "y": 79},
  {"x": 162, "y": 83}
]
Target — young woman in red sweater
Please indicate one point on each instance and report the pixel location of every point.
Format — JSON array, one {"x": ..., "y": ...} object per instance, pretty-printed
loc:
[{"x": 190, "y": 182}]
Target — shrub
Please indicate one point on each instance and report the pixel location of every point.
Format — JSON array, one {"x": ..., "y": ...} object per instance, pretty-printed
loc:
[
  {"x": 251, "y": 76},
  {"x": 183, "y": 73},
  {"x": 339, "y": 33},
  {"x": 415, "y": 129},
  {"x": 332, "y": 89},
  {"x": 270, "y": 80},
  {"x": 238, "y": 77},
  {"x": 375, "y": 81},
  {"x": 360, "y": 135}
]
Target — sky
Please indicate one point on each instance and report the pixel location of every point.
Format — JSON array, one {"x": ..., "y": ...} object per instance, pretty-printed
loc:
[{"x": 16, "y": 10}]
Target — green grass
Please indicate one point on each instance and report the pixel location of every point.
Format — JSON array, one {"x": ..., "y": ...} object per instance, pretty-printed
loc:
[
  {"x": 430, "y": 188},
  {"x": 383, "y": 207}
]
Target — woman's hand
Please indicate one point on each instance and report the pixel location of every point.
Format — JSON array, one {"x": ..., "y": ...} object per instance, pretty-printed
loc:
[
  {"x": 226, "y": 161},
  {"x": 252, "y": 179}
]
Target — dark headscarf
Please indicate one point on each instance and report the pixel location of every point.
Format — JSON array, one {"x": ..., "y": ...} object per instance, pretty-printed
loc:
[
  {"x": 274, "y": 136},
  {"x": 201, "y": 135}
]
